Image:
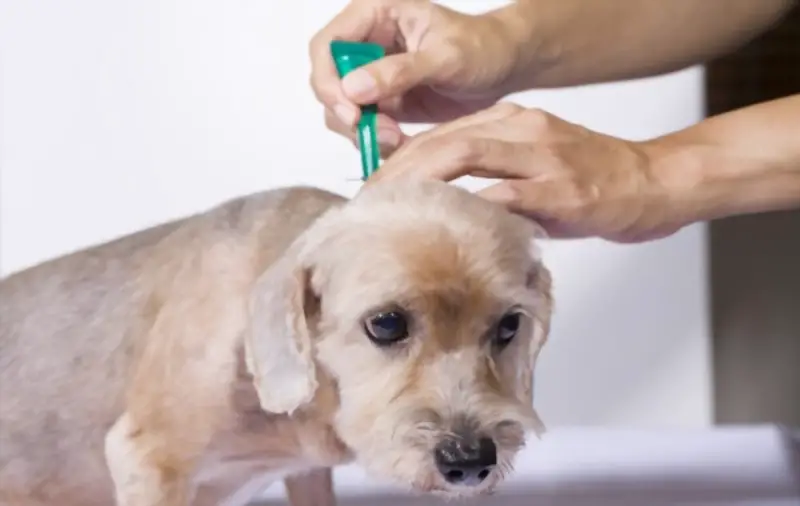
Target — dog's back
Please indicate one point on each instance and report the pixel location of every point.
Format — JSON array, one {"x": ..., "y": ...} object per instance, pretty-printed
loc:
[
  {"x": 59, "y": 338},
  {"x": 68, "y": 339}
]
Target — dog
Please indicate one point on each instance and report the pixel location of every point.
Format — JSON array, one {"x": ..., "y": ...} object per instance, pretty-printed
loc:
[{"x": 274, "y": 337}]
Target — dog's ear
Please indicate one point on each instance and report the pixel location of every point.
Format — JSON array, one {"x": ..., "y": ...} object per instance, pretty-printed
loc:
[
  {"x": 279, "y": 343},
  {"x": 539, "y": 281}
]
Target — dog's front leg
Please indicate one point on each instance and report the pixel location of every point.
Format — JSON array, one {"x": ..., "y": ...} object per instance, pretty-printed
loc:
[
  {"x": 146, "y": 469},
  {"x": 176, "y": 402},
  {"x": 314, "y": 488},
  {"x": 172, "y": 414},
  {"x": 194, "y": 309}
]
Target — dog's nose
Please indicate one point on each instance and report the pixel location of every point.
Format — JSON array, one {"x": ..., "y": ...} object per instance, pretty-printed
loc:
[{"x": 465, "y": 461}]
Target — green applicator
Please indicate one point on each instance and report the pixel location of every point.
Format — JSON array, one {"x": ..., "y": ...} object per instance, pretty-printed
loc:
[{"x": 349, "y": 56}]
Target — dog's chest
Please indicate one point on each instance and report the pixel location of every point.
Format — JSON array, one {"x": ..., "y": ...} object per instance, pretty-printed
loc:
[
  {"x": 237, "y": 468},
  {"x": 240, "y": 463},
  {"x": 258, "y": 449}
]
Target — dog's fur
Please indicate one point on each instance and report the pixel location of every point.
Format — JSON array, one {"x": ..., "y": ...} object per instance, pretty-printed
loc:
[{"x": 209, "y": 355}]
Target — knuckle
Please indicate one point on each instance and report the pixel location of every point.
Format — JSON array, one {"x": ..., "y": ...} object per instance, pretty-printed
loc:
[
  {"x": 507, "y": 108},
  {"x": 579, "y": 194},
  {"x": 538, "y": 120},
  {"x": 386, "y": 151},
  {"x": 450, "y": 60},
  {"x": 330, "y": 121},
  {"x": 313, "y": 81},
  {"x": 314, "y": 44},
  {"x": 323, "y": 88},
  {"x": 401, "y": 72},
  {"x": 426, "y": 137},
  {"x": 318, "y": 45},
  {"x": 589, "y": 193},
  {"x": 395, "y": 70},
  {"x": 421, "y": 146},
  {"x": 333, "y": 124},
  {"x": 411, "y": 148},
  {"x": 510, "y": 194},
  {"x": 466, "y": 152}
]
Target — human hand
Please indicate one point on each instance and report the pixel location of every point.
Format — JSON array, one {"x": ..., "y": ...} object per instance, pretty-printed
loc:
[
  {"x": 572, "y": 181},
  {"x": 440, "y": 65}
]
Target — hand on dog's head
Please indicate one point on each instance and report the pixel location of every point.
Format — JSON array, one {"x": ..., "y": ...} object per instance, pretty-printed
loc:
[{"x": 426, "y": 307}]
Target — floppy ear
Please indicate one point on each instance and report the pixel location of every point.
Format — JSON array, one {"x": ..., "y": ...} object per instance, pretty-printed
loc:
[
  {"x": 539, "y": 281},
  {"x": 278, "y": 345}
]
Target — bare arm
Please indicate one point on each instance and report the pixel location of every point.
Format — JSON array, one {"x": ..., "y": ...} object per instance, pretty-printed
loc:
[
  {"x": 571, "y": 42},
  {"x": 314, "y": 488},
  {"x": 579, "y": 183},
  {"x": 745, "y": 161}
]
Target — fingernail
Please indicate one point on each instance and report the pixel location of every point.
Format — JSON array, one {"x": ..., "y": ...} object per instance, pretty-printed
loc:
[
  {"x": 345, "y": 113},
  {"x": 359, "y": 85},
  {"x": 388, "y": 138}
]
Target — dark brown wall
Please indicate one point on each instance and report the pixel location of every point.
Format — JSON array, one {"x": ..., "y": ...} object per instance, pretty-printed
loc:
[{"x": 755, "y": 260}]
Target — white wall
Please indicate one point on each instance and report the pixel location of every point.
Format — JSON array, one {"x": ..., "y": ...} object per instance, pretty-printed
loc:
[{"x": 120, "y": 114}]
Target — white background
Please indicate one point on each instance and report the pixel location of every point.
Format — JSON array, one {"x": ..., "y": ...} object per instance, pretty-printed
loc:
[{"x": 120, "y": 114}]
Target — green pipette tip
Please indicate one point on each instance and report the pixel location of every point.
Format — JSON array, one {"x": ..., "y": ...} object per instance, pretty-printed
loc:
[{"x": 349, "y": 56}]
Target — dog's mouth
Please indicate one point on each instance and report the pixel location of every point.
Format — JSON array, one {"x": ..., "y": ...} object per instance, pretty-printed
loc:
[
  {"x": 446, "y": 490},
  {"x": 471, "y": 460},
  {"x": 451, "y": 456}
]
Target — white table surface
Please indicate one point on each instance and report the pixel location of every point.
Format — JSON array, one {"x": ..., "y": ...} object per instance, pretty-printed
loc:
[{"x": 717, "y": 466}]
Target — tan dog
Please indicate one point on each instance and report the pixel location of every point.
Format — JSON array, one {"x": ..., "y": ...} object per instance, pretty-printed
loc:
[{"x": 195, "y": 362}]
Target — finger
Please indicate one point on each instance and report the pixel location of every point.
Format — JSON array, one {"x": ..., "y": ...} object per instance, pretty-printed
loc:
[
  {"x": 334, "y": 123},
  {"x": 390, "y": 137},
  {"x": 447, "y": 159},
  {"x": 421, "y": 105},
  {"x": 354, "y": 22},
  {"x": 547, "y": 202},
  {"x": 390, "y": 76},
  {"x": 450, "y": 150},
  {"x": 384, "y": 124},
  {"x": 458, "y": 146},
  {"x": 495, "y": 113}
]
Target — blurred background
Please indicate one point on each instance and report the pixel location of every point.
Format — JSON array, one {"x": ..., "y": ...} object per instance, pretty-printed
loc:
[{"x": 118, "y": 115}]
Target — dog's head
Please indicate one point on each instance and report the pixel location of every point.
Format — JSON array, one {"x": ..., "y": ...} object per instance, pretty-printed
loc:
[{"x": 426, "y": 307}]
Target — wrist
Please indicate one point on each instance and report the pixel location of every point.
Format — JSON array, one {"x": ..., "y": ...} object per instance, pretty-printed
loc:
[
  {"x": 705, "y": 180},
  {"x": 677, "y": 170}
]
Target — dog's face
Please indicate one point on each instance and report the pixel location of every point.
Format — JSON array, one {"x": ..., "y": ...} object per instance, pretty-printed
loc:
[{"x": 427, "y": 307}]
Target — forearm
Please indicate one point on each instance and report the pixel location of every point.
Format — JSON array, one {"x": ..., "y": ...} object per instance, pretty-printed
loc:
[
  {"x": 572, "y": 42},
  {"x": 745, "y": 161}
]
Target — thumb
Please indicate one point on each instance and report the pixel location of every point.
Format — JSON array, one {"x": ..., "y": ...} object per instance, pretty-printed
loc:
[{"x": 389, "y": 77}]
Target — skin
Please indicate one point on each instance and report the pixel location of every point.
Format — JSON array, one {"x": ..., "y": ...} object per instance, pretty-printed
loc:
[
  {"x": 451, "y": 68},
  {"x": 579, "y": 183}
]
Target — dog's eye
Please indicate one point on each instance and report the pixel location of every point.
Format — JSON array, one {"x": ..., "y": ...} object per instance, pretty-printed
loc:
[
  {"x": 387, "y": 328},
  {"x": 506, "y": 329}
]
